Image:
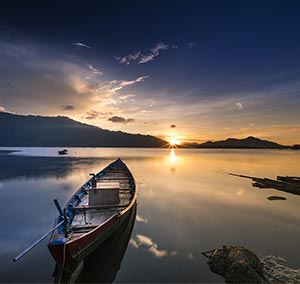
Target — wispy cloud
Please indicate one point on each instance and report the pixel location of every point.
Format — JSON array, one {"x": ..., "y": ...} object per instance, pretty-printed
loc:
[
  {"x": 152, "y": 247},
  {"x": 141, "y": 58},
  {"x": 191, "y": 44},
  {"x": 143, "y": 242},
  {"x": 154, "y": 53},
  {"x": 94, "y": 70},
  {"x": 117, "y": 85},
  {"x": 120, "y": 119},
  {"x": 141, "y": 219},
  {"x": 81, "y": 44},
  {"x": 128, "y": 58}
]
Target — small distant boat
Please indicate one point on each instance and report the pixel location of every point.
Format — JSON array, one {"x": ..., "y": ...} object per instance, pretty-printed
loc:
[
  {"x": 92, "y": 214},
  {"x": 63, "y": 152}
]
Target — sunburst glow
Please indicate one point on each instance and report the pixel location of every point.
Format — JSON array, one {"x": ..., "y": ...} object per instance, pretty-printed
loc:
[{"x": 173, "y": 143}]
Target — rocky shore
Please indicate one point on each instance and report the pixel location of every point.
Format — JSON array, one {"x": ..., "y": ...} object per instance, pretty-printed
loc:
[{"x": 237, "y": 264}]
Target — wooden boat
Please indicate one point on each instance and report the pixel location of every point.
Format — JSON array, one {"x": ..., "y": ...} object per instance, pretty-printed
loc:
[
  {"x": 63, "y": 152},
  {"x": 92, "y": 214},
  {"x": 103, "y": 264}
]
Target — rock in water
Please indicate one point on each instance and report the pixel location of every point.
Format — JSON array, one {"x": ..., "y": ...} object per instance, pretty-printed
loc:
[
  {"x": 277, "y": 271},
  {"x": 236, "y": 264},
  {"x": 272, "y": 198}
]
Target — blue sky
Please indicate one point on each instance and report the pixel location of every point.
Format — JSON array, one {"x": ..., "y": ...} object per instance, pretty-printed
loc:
[{"x": 213, "y": 69}]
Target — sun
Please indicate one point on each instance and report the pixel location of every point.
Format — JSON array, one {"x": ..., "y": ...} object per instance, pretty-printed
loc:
[{"x": 173, "y": 143}]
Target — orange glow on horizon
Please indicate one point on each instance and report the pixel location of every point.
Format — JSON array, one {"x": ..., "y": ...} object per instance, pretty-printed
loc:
[{"x": 173, "y": 142}]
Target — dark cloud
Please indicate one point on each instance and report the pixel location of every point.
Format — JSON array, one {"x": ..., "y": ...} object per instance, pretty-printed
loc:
[
  {"x": 68, "y": 107},
  {"x": 92, "y": 114},
  {"x": 4, "y": 85},
  {"x": 173, "y": 126},
  {"x": 119, "y": 119}
]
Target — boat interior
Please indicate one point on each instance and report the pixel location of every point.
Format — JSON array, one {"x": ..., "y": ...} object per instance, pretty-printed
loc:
[{"x": 104, "y": 195}]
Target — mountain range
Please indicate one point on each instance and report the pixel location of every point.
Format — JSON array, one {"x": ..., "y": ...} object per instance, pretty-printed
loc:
[
  {"x": 249, "y": 142},
  {"x": 43, "y": 131},
  {"x": 60, "y": 131}
]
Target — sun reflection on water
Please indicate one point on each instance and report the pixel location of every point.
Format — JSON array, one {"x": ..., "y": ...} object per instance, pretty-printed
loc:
[{"x": 172, "y": 157}]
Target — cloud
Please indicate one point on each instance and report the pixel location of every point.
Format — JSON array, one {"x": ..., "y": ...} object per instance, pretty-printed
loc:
[
  {"x": 116, "y": 85},
  {"x": 154, "y": 53},
  {"x": 60, "y": 82},
  {"x": 92, "y": 114},
  {"x": 158, "y": 253},
  {"x": 119, "y": 119},
  {"x": 191, "y": 44},
  {"x": 239, "y": 106},
  {"x": 95, "y": 70},
  {"x": 152, "y": 247},
  {"x": 2, "y": 109},
  {"x": 128, "y": 58},
  {"x": 141, "y": 58},
  {"x": 141, "y": 219},
  {"x": 134, "y": 243},
  {"x": 160, "y": 46},
  {"x": 68, "y": 107},
  {"x": 81, "y": 44},
  {"x": 125, "y": 98},
  {"x": 173, "y": 126},
  {"x": 4, "y": 85}
]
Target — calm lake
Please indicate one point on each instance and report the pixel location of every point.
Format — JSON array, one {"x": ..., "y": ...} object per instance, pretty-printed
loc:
[{"x": 186, "y": 204}]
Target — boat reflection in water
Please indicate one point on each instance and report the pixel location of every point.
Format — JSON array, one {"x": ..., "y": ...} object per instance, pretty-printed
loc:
[{"x": 103, "y": 264}]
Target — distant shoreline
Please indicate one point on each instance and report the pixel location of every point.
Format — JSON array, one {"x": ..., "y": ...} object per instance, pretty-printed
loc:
[{"x": 6, "y": 152}]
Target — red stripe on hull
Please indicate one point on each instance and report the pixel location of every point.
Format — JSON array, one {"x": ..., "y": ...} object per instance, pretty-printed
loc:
[{"x": 75, "y": 249}]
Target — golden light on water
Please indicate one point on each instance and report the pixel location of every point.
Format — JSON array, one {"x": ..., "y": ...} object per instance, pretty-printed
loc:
[{"x": 172, "y": 156}]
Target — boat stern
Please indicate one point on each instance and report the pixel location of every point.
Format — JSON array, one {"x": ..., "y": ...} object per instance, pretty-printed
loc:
[{"x": 60, "y": 252}]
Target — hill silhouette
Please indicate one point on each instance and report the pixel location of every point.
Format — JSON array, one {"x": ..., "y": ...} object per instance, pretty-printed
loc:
[
  {"x": 249, "y": 142},
  {"x": 61, "y": 131}
]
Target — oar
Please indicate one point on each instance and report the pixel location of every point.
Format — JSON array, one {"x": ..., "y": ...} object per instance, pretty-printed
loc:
[{"x": 37, "y": 241}]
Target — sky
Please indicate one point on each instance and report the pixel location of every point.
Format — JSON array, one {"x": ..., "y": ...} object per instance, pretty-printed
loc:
[{"x": 182, "y": 70}]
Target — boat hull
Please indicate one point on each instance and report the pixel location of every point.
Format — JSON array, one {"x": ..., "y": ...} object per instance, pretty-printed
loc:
[{"x": 69, "y": 254}]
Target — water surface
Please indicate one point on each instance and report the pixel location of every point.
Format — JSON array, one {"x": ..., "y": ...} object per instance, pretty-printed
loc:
[{"x": 186, "y": 204}]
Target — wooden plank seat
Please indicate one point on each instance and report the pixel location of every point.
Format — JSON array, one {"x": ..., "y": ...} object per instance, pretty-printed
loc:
[
  {"x": 113, "y": 178},
  {"x": 87, "y": 207},
  {"x": 87, "y": 226}
]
